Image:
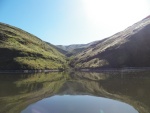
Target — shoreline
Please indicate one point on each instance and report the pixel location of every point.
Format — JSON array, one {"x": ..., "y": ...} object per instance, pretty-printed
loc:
[
  {"x": 126, "y": 69},
  {"x": 28, "y": 71}
]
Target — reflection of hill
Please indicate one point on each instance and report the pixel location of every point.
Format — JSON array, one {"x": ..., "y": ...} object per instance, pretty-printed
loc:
[
  {"x": 129, "y": 87},
  {"x": 82, "y": 83},
  {"x": 27, "y": 90}
]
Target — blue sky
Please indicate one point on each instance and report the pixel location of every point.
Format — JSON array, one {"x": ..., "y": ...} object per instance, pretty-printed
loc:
[{"x": 73, "y": 21}]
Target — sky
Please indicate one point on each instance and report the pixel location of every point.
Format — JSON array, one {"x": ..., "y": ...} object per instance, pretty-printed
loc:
[{"x": 65, "y": 22}]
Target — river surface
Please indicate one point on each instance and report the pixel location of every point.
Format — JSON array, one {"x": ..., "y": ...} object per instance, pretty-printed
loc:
[{"x": 76, "y": 92}]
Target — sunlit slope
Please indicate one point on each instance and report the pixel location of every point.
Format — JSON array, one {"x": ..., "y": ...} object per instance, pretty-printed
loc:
[
  {"x": 21, "y": 50},
  {"x": 128, "y": 48}
]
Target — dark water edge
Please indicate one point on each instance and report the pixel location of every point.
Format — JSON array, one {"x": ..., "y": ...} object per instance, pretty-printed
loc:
[
  {"x": 126, "y": 69},
  {"x": 28, "y": 71}
]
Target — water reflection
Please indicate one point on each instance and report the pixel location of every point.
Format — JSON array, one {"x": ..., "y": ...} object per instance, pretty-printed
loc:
[
  {"x": 79, "y": 104},
  {"x": 20, "y": 91}
]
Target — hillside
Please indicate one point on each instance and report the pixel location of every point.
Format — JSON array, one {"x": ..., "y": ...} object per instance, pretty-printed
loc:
[
  {"x": 21, "y": 50},
  {"x": 128, "y": 48}
]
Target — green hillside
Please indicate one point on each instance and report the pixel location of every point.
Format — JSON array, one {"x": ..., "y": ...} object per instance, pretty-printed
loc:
[{"x": 21, "y": 50}]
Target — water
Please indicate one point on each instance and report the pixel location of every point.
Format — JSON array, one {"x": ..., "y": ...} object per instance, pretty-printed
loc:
[
  {"x": 79, "y": 104},
  {"x": 104, "y": 92}
]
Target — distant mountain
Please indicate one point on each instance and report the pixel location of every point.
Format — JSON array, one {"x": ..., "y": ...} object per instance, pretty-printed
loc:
[
  {"x": 74, "y": 48},
  {"x": 58, "y": 49},
  {"x": 21, "y": 50},
  {"x": 128, "y": 48}
]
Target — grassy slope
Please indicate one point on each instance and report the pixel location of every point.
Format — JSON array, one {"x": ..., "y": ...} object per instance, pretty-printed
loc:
[
  {"x": 129, "y": 48},
  {"x": 21, "y": 50}
]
